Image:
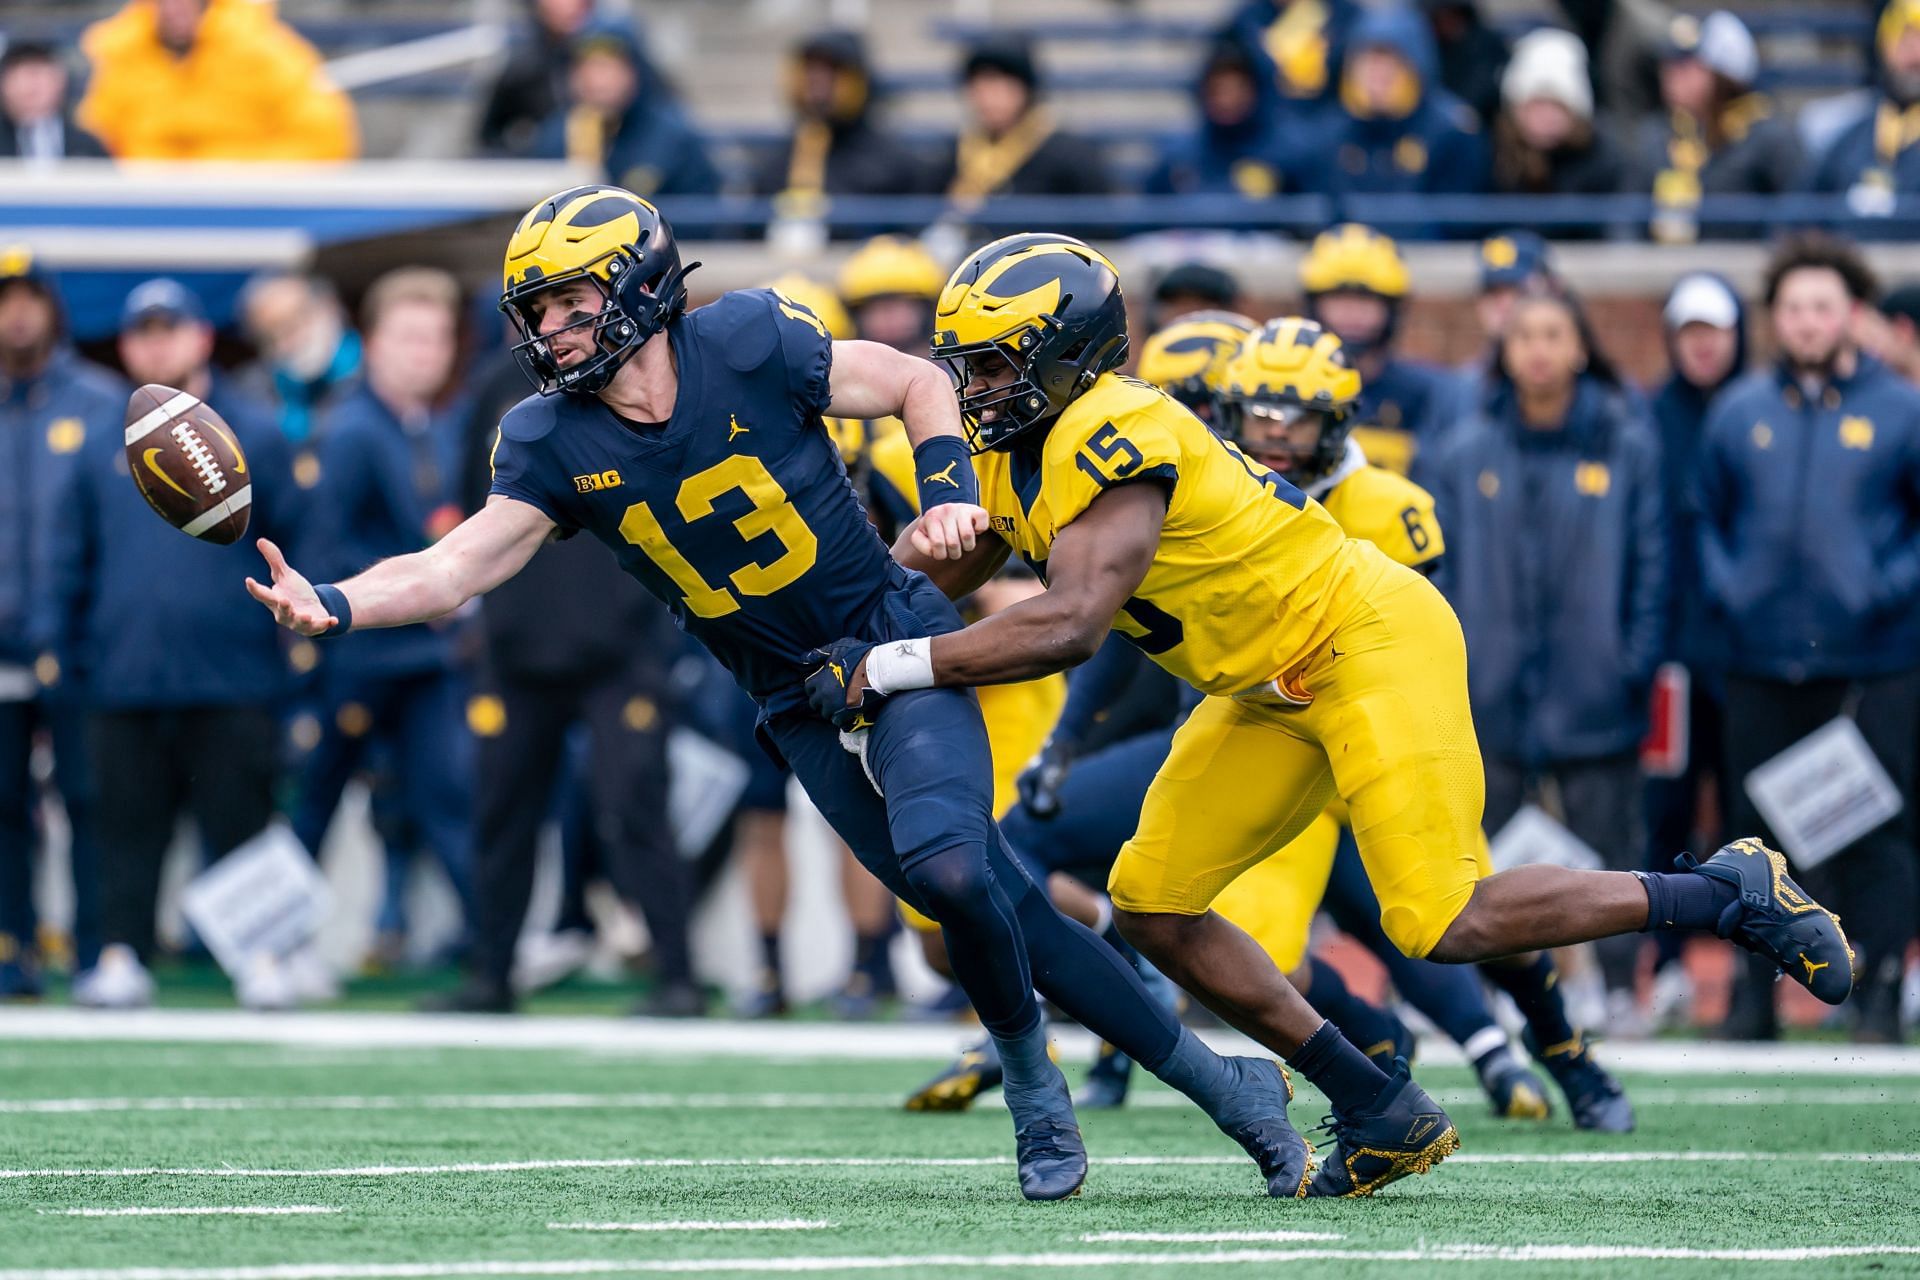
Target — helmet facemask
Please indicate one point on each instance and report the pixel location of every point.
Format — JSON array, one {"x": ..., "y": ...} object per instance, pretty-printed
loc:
[
  {"x": 1022, "y": 379},
  {"x": 1267, "y": 429},
  {"x": 632, "y": 310}
]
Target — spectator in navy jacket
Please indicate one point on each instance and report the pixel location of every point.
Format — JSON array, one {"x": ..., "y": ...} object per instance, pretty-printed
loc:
[
  {"x": 179, "y": 679},
  {"x": 1876, "y": 158},
  {"x": 389, "y": 484},
  {"x": 1557, "y": 564},
  {"x": 51, "y": 403},
  {"x": 1810, "y": 546},
  {"x": 1393, "y": 129},
  {"x": 1234, "y": 148},
  {"x": 621, "y": 117}
]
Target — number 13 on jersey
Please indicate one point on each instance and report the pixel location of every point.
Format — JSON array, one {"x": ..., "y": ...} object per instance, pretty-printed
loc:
[{"x": 771, "y": 514}]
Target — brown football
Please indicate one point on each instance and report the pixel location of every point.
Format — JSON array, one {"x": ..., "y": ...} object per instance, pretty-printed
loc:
[{"x": 188, "y": 464}]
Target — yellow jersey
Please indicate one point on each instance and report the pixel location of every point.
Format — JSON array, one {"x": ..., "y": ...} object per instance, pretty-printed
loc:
[
  {"x": 1390, "y": 511},
  {"x": 1251, "y": 576}
]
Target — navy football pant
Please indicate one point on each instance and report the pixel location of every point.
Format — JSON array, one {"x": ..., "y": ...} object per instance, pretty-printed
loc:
[
  {"x": 19, "y": 827},
  {"x": 933, "y": 842}
]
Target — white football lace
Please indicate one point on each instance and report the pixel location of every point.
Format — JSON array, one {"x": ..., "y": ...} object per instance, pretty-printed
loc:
[{"x": 204, "y": 463}]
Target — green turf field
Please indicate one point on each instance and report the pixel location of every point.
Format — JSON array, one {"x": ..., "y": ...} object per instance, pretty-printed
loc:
[{"x": 413, "y": 1162}]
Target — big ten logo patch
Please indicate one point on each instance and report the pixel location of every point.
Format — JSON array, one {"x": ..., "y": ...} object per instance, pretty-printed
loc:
[{"x": 596, "y": 481}]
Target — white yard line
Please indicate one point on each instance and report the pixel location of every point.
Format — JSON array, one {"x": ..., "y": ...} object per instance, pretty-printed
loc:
[
  {"x": 996, "y": 1261},
  {"x": 934, "y": 1162},
  {"x": 807, "y": 1040},
  {"x": 236, "y": 1211},
  {"x": 461, "y": 1102},
  {"x": 1206, "y": 1237},
  {"x": 775, "y": 1224},
  {"x": 1843, "y": 1096}
]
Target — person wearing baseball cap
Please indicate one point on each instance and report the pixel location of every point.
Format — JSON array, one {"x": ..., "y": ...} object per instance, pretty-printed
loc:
[
  {"x": 1718, "y": 135},
  {"x": 51, "y": 401},
  {"x": 1705, "y": 325},
  {"x": 184, "y": 674},
  {"x": 1509, "y": 262}
]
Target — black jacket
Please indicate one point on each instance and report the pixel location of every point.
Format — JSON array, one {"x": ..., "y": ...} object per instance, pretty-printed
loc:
[
  {"x": 862, "y": 160},
  {"x": 78, "y": 143}
]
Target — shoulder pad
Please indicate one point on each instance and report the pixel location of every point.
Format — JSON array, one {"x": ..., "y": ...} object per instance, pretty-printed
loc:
[
  {"x": 532, "y": 418},
  {"x": 741, "y": 324}
]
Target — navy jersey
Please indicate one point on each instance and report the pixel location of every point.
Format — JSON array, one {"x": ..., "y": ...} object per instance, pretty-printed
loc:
[{"x": 737, "y": 511}]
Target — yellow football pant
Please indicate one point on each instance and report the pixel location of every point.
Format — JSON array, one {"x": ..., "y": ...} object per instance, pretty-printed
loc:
[{"x": 1388, "y": 730}]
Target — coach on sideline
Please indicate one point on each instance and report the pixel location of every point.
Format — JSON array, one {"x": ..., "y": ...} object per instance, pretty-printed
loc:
[{"x": 178, "y": 684}]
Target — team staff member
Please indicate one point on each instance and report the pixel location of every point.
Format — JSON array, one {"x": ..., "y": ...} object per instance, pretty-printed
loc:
[
  {"x": 51, "y": 401},
  {"x": 1810, "y": 551},
  {"x": 389, "y": 470},
  {"x": 181, "y": 688},
  {"x": 570, "y": 642}
]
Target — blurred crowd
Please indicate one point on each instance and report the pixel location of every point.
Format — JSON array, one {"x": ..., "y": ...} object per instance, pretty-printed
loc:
[
  {"x": 1661, "y": 587},
  {"x": 1290, "y": 96}
]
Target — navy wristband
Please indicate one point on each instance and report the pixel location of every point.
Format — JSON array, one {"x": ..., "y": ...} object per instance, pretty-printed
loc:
[
  {"x": 334, "y": 601},
  {"x": 943, "y": 468}
]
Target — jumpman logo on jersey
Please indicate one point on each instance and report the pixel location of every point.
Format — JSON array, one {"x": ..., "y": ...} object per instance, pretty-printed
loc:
[
  {"x": 944, "y": 475},
  {"x": 734, "y": 428}
]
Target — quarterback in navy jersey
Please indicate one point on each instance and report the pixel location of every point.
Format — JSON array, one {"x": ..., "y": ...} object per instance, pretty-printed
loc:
[{"x": 691, "y": 443}]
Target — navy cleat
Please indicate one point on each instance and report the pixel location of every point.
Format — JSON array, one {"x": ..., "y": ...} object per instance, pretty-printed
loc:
[
  {"x": 1046, "y": 1138},
  {"x": 1254, "y": 1114},
  {"x": 1404, "y": 1132},
  {"x": 965, "y": 1078},
  {"x": 1597, "y": 1101},
  {"x": 1515, "y": 1092},
  {"x": 1773, "y": 917},
  {"x": 1106, "y": 1084}
]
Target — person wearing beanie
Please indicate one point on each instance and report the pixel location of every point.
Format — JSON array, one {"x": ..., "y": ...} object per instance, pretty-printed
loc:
[
  {"x": 836, "y": 147},
  {"x": 1187, "y": 287},
  {"x": 1544, "y": 142},
  {"x": 1394, "y": 130},
  {"x": 1716, "y": 134},
  {"x": 1878, "y": 157},
  {"x": 1011, "y": 144}
]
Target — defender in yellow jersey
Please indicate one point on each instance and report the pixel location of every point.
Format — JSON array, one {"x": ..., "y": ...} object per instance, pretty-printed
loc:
[{"x": 1333, "y": 669}]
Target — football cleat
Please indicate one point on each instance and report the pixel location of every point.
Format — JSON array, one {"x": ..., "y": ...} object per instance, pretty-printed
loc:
[
  {"x": 1515, "y": 1092},
  {"x": 1047, "y": 1146},
  {"x": 1255, "y": 1116},
  {"x": 1773, "y": 917},
  {"x": 964, "y": 1079},
  {"x": 1106, "y": 1083},
  {"x": 1597, "y": 1101},
  {"x": 1403, "y": 1132}
]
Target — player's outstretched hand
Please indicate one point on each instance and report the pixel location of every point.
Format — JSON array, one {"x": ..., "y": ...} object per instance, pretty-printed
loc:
[
  {"x": 949, "y": 531},
  {"x": 292, "y": 599},
  {"x": 1040, "y": 782}
]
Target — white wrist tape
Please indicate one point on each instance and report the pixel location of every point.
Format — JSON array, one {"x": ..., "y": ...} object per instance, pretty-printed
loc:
[{"x": 899, "y": 665}]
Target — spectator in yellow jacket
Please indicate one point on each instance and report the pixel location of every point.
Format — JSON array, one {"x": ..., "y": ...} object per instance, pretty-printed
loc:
[{"x": 211, "y": 80}]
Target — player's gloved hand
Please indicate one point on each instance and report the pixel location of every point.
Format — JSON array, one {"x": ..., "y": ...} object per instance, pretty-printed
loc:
[
  {"x": 838, "y": 688},
  {"x": 1039, "y": 783}
]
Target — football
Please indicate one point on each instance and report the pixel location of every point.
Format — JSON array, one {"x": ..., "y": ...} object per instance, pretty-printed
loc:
[{"x": 188, "y": 464}]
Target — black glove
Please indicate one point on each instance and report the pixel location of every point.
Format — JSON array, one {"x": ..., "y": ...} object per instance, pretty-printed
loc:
[
  {"x": 1040, "y": 782},
  {"x": 827, "y": 684}
]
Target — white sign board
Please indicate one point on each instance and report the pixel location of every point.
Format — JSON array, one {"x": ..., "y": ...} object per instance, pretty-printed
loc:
[
  {"x": 1823, "y": 792},
  {"x": 1532, "y": 838},
  {"x": 704, "y": 782},
  {"x": 266, "y": 898}
]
